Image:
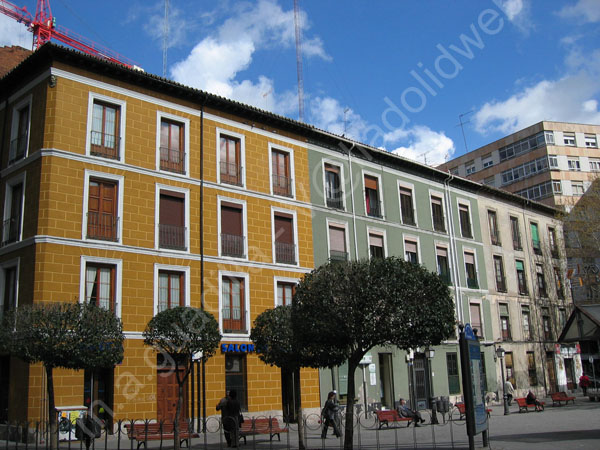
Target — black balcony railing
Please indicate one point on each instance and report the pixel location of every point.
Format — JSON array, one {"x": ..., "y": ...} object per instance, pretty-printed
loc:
[
  {"x": 334, "y": 200},
  {"x": 105, "y": 145},
  {"x": 523, "y": 290},
  {"x": 445, "y": 276},
  {"x": 232, "y": 245},
  {"x": 282, "y": 185},
  {"x": 171, "y": 236},
  {"x": 501, "y": 285},
  {"x": 336, "y": 255},
  {"x": 10, "y": 231},
  {"x": 102, "y": 226},
  {"x": 537, "y": 249},
  {"x": 231, "y": 173},
  {"x": 17, "y": 149},
  {"x": 172, "y": 160},
  {"x": 374, "y": 209},
  {"x": 517, "y": 244},
  {"x": 495, "y": 239},
  {"x": 285, "y": 253},
  {"x": 472, "y": 283},
  {"x": 438, "y": 224}
]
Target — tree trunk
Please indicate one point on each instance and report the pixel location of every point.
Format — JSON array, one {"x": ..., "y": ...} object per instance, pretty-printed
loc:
[
  {"x": 176, "y": 441},
  {"x": 52, "y": 417},
  {"x": 352, "y": 366},
  {"x": 298, "y": 405}
]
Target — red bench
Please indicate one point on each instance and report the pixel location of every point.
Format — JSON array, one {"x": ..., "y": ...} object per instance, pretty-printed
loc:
[
  {"x": 142, "y": 432},
  {"x": 390, "y": 416},
  {"x": 462, "y": 410},
  {"x": 559, "y": 397},
  {"x": 524, "y": 407},
  {"x": 264, "y": 425}
]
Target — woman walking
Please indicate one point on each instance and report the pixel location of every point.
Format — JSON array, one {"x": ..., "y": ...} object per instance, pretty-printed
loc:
[{"x": 329, "y": 416}]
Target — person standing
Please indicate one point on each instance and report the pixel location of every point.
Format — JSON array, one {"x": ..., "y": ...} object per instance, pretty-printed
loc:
[
  {"x": 509, "y": 390},
  {"x": 584, "y": 382},
  {"x": 405, "y": 411},
  {"x": 230, "y": 414},
  {"x": 329, "y": 416}
]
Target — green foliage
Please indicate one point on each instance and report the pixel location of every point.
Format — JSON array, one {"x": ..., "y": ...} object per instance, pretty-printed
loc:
[
  {"x": 183, "y": 331},
  {"x": 273, "y": 336},
  {"x": 341, "y": 310},
  {"x": 68, "y": 335}
]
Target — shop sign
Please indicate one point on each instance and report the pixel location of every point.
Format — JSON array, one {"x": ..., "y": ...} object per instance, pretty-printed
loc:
[{"x": 237, "y": 348}]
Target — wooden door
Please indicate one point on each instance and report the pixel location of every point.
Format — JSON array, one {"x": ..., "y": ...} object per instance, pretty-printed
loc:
[{"x": 167, "y": 395}]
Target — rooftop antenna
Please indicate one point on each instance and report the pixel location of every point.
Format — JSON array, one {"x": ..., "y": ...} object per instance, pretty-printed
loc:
[
  {"x": 299, "y": 62},
  {"x": 165, "y": 38},
  {"x": 461, "y": 125}
]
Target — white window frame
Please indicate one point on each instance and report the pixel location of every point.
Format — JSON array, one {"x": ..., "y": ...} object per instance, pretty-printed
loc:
[
  {"x": 594, "y": 164},
  {"x": 340, "y": 166},
  {"x": 379, "y": 193},
  {"x": 118, "y": 263},
  {"x": 119, "y": 179},
  {"x": 378, "y": 232},
  {"x": 411, "y": 187},
  {"x": 93, "y": 96},
  {"x": 8, "y": 189},
  {"x": 477, "y": 274},
  {"x": 244, "y": 208},
  {"x": 444, "y": 245},
  {"x": 338, "y": 224},
  {"x": 14, "y": 127},
  {"x": 242, "y": 138},
  {"x": 277, "y": 280},
  {"x": 292, "y": 213},
  {"x": 574, "y": 164},
  {"x": 185, "y": 270},
  {"x": 290, "y": 152},
  {"x": 246, "y": 278},
  {"x": 467, "y": 203},
  {"x": 577, "y": 183},
  {"x": 476, "y": 301},
  {"x": 186, "y": 193},
  {"x": 591, "y": 141},
  {"x": 186, "y": 145},
  {"x": 552, "y": 162},
  {"x": 16, "y": 262},
  {"x": 569, "y": 139},
  {"x": 439, "y": 195},
  {"x": 413, "y": 238}
]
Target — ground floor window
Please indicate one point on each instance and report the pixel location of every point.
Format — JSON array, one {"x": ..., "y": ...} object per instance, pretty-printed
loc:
[
  {"x": 236, "y": 378},
  {"x": 98, "y": 392},
  {"x": 533, "y": 381},
  {"x": 452, "y": 369},
  {"x": 510, "y": 373}
]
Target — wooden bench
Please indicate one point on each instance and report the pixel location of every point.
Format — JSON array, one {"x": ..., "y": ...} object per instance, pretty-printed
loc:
[
  {"x": 524, "y": 407},
  {"x": 462, "y": 410},
  {"x": 385, "y": 417},
  {"x": 270, "y": 426},
  {"x": 153, "y": 431},
  {"x": 559, "y": 397}
]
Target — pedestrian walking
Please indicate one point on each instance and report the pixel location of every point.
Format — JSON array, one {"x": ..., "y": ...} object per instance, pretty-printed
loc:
[
  {"x": 329, "y": 416},
  {"x": 509, "y": 390}
]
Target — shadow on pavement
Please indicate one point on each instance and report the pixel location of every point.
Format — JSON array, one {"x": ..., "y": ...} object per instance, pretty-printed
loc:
[{"x": 533, "y": 438}]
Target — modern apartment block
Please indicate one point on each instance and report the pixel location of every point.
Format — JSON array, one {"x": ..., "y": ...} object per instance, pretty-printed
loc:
[
  {"x": 140, "y": 194},
  {"x": 550, "y": 162}
]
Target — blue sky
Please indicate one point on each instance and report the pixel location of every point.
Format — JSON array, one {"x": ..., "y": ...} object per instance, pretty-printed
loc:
[{"x": 392, "y": 74}]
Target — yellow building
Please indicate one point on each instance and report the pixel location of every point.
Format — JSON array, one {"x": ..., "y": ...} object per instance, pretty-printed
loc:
[{"x": 140, "y": 194}]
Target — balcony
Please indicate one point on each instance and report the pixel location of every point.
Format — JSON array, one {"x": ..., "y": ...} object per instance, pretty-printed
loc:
[
  {"x": 335, "y": 200},
  {"x": 17, "y": 149},
  {"x": 517, "y": 244},
  {"x": 171, "y": 237},
  {"x": 472, "y": 283},
  {"x": 233, "y": 321},
  {"x": 285, "y": 253},
  {"x": 338, "y": 256},
  {"x": 374, "y": 209},
  {"x": 104, "y": 145},
  {"x": 10, "y": 231},
  {"x": 172, "y": 160},
  {"x": 501, "y": 285},
  {"x": 523, "y": 290},
  {"x": 445, "y": 276},
  {"x": 232, "y": 245},
  {"x": 495, "y": 239},
  {"x": 231, "y": 173},
  {"x": 102, "y": 226},
  {"x": 438, "y": 224},
  {"x": 537, "y": 249},
  {"x": 282, "y": 185}
]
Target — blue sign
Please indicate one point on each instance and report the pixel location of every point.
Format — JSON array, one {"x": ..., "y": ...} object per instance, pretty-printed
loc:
[
  {"x": 476, "y": 370},
  {"x": 237, "y": 348},
  {"x": 469, "y": 333}
]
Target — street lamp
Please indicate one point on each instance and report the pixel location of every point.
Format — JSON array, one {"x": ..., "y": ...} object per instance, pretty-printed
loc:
[
  {"x": 500, "y": 353},
  {"x": 430, "y": 352}
]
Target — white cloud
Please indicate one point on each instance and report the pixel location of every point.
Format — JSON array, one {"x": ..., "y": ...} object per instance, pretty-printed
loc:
[
  {"x": 14, "y": 33},
  {"x": 512, "y": 8},
  {"x": 582, "y": 11},
  {"x": 518, "y": 13},
  {"x": 425, "y": 145}
]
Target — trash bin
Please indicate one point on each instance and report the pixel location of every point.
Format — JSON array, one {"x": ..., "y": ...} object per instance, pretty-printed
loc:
[{"x": 443, "y": 404}]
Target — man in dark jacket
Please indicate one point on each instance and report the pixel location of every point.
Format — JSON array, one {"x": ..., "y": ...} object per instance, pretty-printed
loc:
[
  {"x": 329, "y": 414},
  {"x": 405, "y": 411},
  {"x": 230, "y": 415}
]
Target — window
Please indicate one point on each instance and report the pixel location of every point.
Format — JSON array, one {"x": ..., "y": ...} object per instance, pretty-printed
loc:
[
  {"x": 437, "y": 214},
  {"x": 510, "y": 371},
  {"x": 471, "y": 271},
  {"x": 541, "y": 280},
  {"x": 100, "y": 285},
  {"x": 172, "y": 230},
  {"x": 9, "y": 282},
  {"x": 465, "y": 220},
  {"x": 285, "y": 248},
  {"x": 487, "y": 161},
  {"x": 475, "y": 311},
  {"x": 13, "y": 210},
  {"x": 470, "y": 167},
  {"x": 526, "y": 320},
  {"x": 406, "y": 206},
  {"x": 569, "y": 139},
  {"x": 516, "y": 233},
  {"x": 19, "y": 133},
  {"x": 577, "y": 187},
  {"x": 171, "y": 290},
  {"x": 537, "y": 192},
  {"x": 490, "y": 181},
  {"x": 372, "y": 202},
  {"x": 105, "y": 139},
  {"x": 553, "y": 243},
  {"x": 172, "y": 145},
  {"x": 557, "y": 187},
  {"x": 236, "y": 378},
  {"x": 521, "y": 278},
  {"x": 574, "y": 164},
  {"x": 504, "y": 322},
  {"x": 553, "y": 161},
  {"x": 285, "y": 292},
  {"x": 526, "y": 145},
  {"x": 454, "y": 170},
  {"x": 281, "y": 173},
  {"x": 410, "y": 251},
  {"x": 494, "y": 232},
  {"x": 535, "y": 239},
  {"x": 443, "y": 268},
  {"x": 334, "y": 194},
  {"x": 452, "y": 370},
  {"x": 102, "y": 215},
  {"x": 546, "y": 324},
  {"x": 376, "y": 249},
  {"x": 233, "y": 304},
  {"x": 558, "y": 283},
  {"x": 590, "y": 141},
  {"x": 525, "y": 170},
  {"x": 533, "y": 381},
  {"x": 562, "y": 318},
  {"x": 499, "y": 273},
  {"x": 594, "y": 165},
  {"x": 230, "y": 160},
  {"x": 337, "y": 243},
  {"x": 233, "y": 242}
]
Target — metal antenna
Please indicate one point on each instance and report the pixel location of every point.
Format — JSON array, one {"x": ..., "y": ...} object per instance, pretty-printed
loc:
[
  {"x": 165, "y": 38},
  {"x": 461, "y": 125}
]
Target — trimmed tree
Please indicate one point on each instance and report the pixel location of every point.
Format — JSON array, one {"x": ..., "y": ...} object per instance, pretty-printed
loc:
[
  {"x": 179, "y": 334},
  {"x": 273, "y": 337},
  {"x": 66, "y": 335},
  {"x": 341, "y": 310}
]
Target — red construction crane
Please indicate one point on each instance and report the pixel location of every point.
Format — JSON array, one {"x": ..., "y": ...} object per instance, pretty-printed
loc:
[{"x": 43, "y": 26}]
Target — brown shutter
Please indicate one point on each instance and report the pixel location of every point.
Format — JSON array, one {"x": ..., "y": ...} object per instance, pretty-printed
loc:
[
  {"x": 410, "y": 246},
  {"x": 337, "y": 239},
  {"x": 172, "y": 208},
  {"x": 283, "y": 229},
  {"x": 231, "y": 219},
  {"x": 376, "y": 240},
  {"x": 370, "y": 182}
]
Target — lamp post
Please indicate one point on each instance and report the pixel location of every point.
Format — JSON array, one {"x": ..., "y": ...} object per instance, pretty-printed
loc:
[
  {"x": 409, "y": 363},
  {"x": 430, "y": 352},
  {"x": 500, "y": 353}
]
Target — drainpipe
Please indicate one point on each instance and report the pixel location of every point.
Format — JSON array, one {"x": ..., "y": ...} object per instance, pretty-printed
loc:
[
  {"x": 453, "y": 248},
  {"x": 352, "y": 201},
  {"x": 202, "y": 255}
]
